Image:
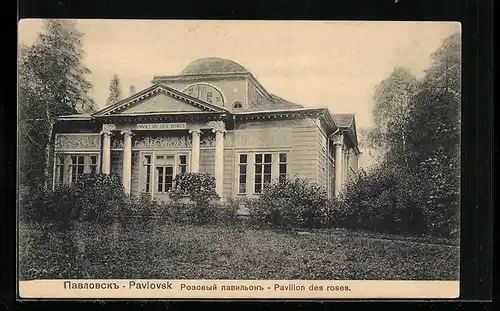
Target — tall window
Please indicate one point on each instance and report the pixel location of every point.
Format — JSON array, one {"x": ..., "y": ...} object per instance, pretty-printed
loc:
[
  {"x": 77, "y": 167},
  {"x": 182, "y": 164},
  {"x": 242, "y": 188},
  {"x": 59, "y": 179},
  {"x": 209, "y": 97},
  {"x": 263, "y": 164},
  {"x": 164, "y": 172},
  {"x": 93, "y": 164},
  {"x": 282, "y": 166},
  {"x": 146, "y": 162}
]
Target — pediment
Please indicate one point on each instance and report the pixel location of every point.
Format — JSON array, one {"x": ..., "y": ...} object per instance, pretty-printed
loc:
[
  {"x": 160, "y": 102},
  {"x": 158, "y": 99}
]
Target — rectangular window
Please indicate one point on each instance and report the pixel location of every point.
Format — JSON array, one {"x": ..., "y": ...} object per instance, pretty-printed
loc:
[
  {"x": 93, "y": 164},
  {"x": 282, "y": 166},
  {"x": 263, "y": 167},
  {"x": 59, "y": 170},
  {"x": 77, "y": 167},
  {"x": 242, "y": 188},
  {"x": 69, "y": 167},
  {"x": 182, "y": 164},
  {"x": 146, "y": 162},
  {"x": 164, "y": 172},
  {"x": 209, "y": 97}
]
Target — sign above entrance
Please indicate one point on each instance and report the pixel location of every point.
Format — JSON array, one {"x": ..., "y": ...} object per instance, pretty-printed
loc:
[{"x": 161, "y": 126}]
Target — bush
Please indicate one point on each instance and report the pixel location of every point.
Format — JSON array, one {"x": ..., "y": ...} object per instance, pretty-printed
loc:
[
  {"x": 99, "y": 196},
  {"x": 144, "y": 205},
  {"x": 291, "y": 203},
  {"x": 227, "y": 212},
  {"x": 386, "y": 200},
  {"x": 94, "y": 197},
  {"x": 60, "y": 207},
  {"x": 199, "y": 188}
]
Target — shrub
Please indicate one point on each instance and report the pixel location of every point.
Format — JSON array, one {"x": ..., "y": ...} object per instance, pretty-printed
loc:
[
  {"x": 93, "y": 197},
  {"x": 385, "y": 200},
  {"x": 144, "y": 205},
  {"x": 99, "y": 196},
  {"x": 60, "y": 206},
  {"x": 291, "y": 203},
  {"x": 227, "y": 213},
  {"x": 200, "y": 189}
]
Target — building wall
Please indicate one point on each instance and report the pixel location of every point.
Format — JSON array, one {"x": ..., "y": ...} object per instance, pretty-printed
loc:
[{"x": 304, "y": 141}]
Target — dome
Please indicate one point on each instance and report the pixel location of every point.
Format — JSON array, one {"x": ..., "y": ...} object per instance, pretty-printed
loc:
[{"x": 213, "y": 65}]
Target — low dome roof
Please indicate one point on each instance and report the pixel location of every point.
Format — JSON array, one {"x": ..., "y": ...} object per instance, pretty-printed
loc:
[{"x": 213, "y": 65}]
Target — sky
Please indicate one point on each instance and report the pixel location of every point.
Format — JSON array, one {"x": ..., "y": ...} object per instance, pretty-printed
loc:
[{"x": 331, "y": 64}]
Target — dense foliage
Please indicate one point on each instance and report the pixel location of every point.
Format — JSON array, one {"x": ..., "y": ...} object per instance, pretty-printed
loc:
[
  {"x": 199, "y": 190},
  {"x": 52, "y": 81},
  {"x": 415, "y": 186},
  {"x": 290, "y": 203},
  {"x": 94, "y": 197}
]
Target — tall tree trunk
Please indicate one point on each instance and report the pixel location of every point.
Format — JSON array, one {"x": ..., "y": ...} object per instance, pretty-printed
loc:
[{"x": 46, "y": 172}]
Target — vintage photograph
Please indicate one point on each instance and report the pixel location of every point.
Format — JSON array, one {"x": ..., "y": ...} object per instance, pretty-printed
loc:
[{"x": 238, "y": 150}]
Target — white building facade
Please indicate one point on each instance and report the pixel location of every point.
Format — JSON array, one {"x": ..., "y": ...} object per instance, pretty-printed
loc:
[{"x": 214, "y": 117}]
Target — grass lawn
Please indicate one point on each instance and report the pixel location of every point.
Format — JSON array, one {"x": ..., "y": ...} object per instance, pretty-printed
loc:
[{"x": 155, "y": 249}]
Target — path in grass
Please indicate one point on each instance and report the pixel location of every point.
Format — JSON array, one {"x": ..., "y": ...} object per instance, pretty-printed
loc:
[{"x": 159, "y": 250}]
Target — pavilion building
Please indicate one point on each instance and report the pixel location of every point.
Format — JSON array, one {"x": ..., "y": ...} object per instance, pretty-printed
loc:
[{"x": 213, "y": 117}]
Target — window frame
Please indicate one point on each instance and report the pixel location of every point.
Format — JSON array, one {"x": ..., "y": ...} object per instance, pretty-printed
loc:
[
  {"x": 153, "y": 178},
  {"x": 240, "y": 174},
  {"x": 250, "y": 172},
  {"x": 67, "y": 166},
  {"x": 280, "y": 163},
  {"x": 263, "y": 164}
]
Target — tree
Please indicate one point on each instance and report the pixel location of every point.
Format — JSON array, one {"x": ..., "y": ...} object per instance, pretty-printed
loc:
[
  {"x": 392, "y": 99},
  {"x": 52, "y": 82},
  {"x": 132, "y": 90},
  {"x": 417, "y": 125},
  {"x": 115, "y": 91},
  {"x": 434, "y": 127}
]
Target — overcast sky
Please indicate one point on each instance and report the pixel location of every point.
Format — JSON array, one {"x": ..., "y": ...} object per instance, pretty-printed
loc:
[{"x": 316, "y": 64}]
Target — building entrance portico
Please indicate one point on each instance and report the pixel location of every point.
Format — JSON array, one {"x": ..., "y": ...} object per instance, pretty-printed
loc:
[{"x": 165, "y": 150}]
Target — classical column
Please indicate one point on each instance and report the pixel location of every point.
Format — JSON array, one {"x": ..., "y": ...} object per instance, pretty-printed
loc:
[
  {"x": 106, "y": 152},
  {"x": 127, "y": 160},
  {"x": 195, "y": 150},
  {"x": 106, "y": 147},
  {"x": 337, "y": 142},
  {"x": 218, "y": 127}
]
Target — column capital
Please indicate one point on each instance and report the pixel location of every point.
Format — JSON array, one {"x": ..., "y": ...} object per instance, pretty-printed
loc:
[
  {"x": 127, "y": 133},
  {"x": 217, "y": 126},
  {"x": 108, "y": 127},
  {"x": 108, "y": 133},
  {"x": 195, "y": 130},
  {"x": 337, "y": 139}
]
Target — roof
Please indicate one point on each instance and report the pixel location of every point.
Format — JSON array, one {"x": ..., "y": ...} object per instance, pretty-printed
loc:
[
  {"x": 151, "y": 91},
  {"x": 343, "y": 120},
  {"x": 80, "y": 116},
  {"x": 283, "y": 103},
  {"x": 213, "y": 65}
]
